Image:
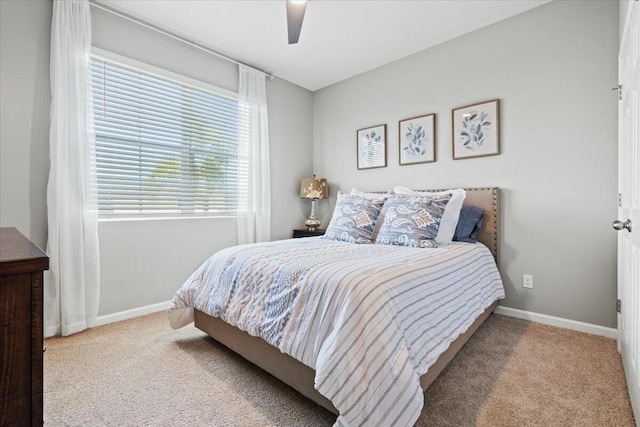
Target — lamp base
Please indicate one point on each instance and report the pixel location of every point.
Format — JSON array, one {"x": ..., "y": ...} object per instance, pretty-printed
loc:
[{"x": 312, "y": 223}]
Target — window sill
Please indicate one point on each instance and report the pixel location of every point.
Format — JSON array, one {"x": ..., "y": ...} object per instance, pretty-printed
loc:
[{"x": 162, "y": 218}]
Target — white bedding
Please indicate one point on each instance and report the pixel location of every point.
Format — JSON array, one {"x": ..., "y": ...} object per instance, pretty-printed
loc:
[{"x": 370, "y": 319}]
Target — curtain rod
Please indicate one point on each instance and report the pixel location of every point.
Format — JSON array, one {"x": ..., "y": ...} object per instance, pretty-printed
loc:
[{"x": 171, "y": 35}]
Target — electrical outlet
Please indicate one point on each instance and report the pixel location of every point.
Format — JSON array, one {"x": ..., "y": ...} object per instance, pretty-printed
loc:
[{"x": 527, "y": 281}]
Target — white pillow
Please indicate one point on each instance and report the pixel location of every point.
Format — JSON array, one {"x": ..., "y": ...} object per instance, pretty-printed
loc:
[
  {"x": 373, "y": 196},
  {"x": 451, "y": 214}
]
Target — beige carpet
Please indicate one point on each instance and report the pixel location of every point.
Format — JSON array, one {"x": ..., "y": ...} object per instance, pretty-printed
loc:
[{"x": 142, "y": 373}]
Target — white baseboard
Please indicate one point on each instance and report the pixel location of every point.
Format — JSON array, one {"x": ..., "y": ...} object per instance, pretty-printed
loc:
[
  {"x": 129, "y": 314},
  {"x": 589, "y": 328},
  {"x": 559, "y": 322}
]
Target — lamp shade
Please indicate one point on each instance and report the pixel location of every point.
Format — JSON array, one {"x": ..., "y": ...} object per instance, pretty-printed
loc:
[{"x": 314, "y": 188}]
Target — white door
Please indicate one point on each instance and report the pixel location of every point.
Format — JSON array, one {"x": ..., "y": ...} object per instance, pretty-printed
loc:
[{"x": 628, "y": 223}]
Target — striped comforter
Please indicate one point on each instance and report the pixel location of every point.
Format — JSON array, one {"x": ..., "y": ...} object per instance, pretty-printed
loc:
[{"x": 370, "y": 319}]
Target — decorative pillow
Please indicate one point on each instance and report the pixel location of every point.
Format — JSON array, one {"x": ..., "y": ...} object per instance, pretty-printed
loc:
[
  {"x": 469, "y": 224},
  {"x": 451, "y": 214},
  {"x": 353, "y": 219},
  {"x": 412, "y": 221},
  {"x": 376, "y": 228}
]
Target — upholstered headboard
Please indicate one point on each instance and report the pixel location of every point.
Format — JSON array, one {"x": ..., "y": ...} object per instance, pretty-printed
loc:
[{"x": 487, "y": 199}]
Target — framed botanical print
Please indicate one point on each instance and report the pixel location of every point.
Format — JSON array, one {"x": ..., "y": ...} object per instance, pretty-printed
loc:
[
  {"x": 476, "y": 130},
  {"x": 372, "y": 147},
  {"x": 417, "y": 139}
]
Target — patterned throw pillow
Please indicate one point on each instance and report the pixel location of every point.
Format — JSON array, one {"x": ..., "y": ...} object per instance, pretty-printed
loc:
[
  {"x": 451, "y": 213},
  {"x": 353, "y": 219},
  {"x": 412, "y": 221},
  {"x": 376, "y": 227}
]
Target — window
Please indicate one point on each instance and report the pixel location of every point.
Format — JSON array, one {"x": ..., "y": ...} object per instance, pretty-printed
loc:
[{"x": 164, "y": 146}]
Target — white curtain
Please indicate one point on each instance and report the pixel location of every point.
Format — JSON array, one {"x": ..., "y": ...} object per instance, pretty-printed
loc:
[
  {"x": 254, "y": 188},
  {"x": 72, "y": 284}
]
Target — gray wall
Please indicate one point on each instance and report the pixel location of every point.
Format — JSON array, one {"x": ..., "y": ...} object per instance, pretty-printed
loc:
[
  {"x": 143, "y": 262},
  {"x": 25, "y": 33},
  {"x": 552, "y": 68}
]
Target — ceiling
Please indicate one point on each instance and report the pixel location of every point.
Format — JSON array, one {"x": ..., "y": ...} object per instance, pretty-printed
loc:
[{"x": 339, "y": 38}]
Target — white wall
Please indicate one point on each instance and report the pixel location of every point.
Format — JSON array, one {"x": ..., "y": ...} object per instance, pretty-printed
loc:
[
  {"x": 552, "y": 69},
  {"x": 25, "y": 29},
  {"x": 625, "y": 13}
]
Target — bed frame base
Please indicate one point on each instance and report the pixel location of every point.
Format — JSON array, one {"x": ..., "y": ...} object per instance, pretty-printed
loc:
[{"x": 298, "y": 375}]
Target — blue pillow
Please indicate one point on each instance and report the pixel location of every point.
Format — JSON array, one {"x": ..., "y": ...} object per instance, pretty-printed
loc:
[
  {"x": 354, "y": 218},
  {"x": 469, "y": 224},
  {"x": 412, "y": 221}
]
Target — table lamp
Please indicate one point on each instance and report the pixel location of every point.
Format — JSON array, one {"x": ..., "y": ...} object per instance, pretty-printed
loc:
[{"x": 315, "y": 189}]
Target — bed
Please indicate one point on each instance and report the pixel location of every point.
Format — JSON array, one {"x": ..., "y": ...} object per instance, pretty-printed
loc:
[{"x": 292, "y": 341}]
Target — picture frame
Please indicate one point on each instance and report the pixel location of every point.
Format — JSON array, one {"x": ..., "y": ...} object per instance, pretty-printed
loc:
[
  {"x": 476, "y": 130},
  {"x": 417, "y": 140},
  {"x": 371, "y": 144}
]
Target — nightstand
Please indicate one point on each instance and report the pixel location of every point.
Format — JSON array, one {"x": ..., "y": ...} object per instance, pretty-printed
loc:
[{"x": 306, "y": 233}]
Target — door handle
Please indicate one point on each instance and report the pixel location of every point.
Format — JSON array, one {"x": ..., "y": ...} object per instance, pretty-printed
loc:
[{"x": 619, "y": 225}]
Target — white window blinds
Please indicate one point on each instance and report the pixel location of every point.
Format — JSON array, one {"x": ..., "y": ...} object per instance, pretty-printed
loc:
[{"x": 163, "y": 147}]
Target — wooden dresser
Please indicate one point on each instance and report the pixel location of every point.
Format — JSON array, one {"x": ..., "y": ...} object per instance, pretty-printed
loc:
[{"x": 21, "y": 267}]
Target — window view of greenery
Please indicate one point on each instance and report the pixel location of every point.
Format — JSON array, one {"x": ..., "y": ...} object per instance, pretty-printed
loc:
[{"x": 162, "y": 147}]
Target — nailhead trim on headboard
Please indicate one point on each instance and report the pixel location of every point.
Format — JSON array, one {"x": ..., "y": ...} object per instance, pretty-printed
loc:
[{"x": 494, "y": 208}]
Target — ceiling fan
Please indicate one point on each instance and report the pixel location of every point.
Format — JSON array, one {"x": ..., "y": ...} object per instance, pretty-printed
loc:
[{"x": 295, "y": 16}]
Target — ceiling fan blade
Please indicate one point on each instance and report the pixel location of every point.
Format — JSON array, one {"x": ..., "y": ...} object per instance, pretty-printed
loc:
[{"x": 295, "y": 16}]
